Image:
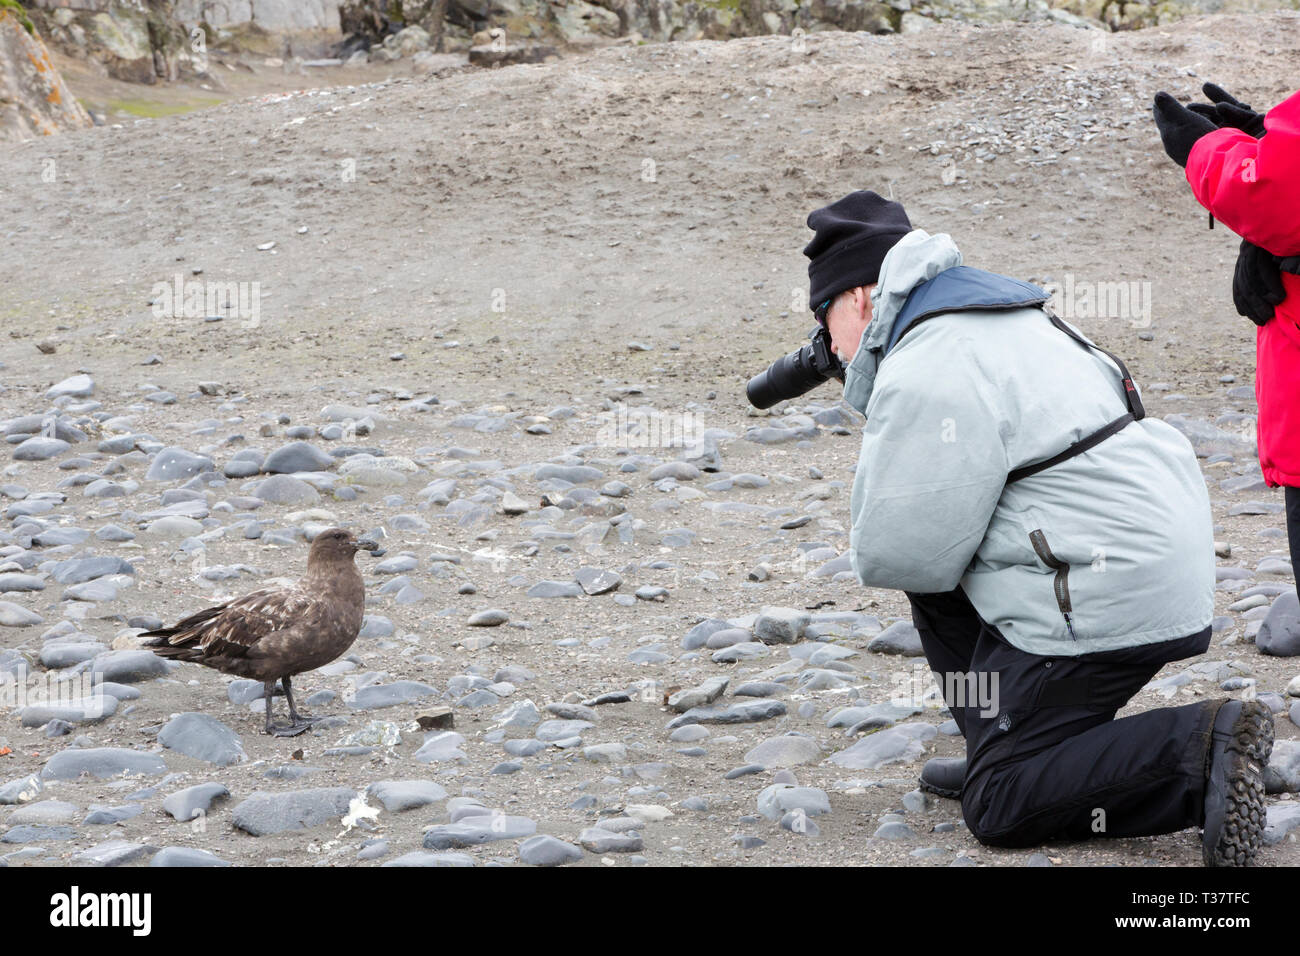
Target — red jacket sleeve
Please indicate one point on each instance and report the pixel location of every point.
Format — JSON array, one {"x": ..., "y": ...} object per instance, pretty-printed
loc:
[{"x": 1252, "y": 185}]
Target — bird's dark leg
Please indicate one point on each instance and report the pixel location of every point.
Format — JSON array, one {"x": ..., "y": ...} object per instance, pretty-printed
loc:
[
  {"x": 297, "y": 723},
  {"x": 268, "y": 691},
  {"x": 288, "y": 695}
]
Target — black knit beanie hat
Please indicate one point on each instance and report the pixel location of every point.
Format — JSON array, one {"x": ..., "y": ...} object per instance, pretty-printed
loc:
[{"x": 853, "y": 235}]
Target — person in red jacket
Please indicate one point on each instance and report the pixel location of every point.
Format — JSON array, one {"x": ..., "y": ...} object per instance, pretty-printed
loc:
[{"x": 1245, "y": 169}]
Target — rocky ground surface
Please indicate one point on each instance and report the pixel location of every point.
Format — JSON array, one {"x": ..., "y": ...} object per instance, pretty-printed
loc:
[{"x": 473, "y": 293}]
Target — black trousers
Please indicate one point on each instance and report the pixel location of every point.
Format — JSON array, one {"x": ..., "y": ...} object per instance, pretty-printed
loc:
[{"x": 1045, "y": 757}]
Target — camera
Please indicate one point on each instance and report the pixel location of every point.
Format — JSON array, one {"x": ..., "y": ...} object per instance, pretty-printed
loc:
[{"x": 800, "y": 371}]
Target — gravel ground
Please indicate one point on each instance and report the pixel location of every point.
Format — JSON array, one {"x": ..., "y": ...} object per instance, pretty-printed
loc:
[{"x": 467, "y": 285}]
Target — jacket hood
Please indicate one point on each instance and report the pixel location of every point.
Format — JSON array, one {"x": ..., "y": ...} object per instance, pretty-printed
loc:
[{"x": 916, "y": 258}]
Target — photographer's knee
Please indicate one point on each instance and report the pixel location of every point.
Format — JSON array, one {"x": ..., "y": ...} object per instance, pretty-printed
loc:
[{"x": 978, "y": 810}]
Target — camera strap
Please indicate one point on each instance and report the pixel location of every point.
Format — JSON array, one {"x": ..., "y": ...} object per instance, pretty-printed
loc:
[
  {"x": 1135, "y": 409},
  {"x": 963, "y": 289}
]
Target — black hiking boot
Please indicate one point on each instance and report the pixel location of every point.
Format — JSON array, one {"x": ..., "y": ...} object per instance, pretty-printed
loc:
[
  {"x": 945, "y": 776},
  {"x": 1240, "y": 745}
]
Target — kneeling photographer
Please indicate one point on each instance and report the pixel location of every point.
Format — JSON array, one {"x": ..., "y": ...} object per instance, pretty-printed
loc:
[{"x": 1053, "y": 541}]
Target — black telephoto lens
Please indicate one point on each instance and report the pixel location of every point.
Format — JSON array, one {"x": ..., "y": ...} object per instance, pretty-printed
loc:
[{"x": 792, "y": 375}]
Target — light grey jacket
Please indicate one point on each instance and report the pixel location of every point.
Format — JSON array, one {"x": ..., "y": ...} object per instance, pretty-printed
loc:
[{"x": 964, "y": 398}]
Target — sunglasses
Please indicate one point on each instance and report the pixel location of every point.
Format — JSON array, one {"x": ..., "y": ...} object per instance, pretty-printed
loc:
[{"x": 819, "y": 313}]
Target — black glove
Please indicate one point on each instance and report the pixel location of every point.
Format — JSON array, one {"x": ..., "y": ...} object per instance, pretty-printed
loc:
[
  {"x": 1257, "y": 283},
  {"x": 1226, "y": 110},
  {"x": 1179, "y": 127}
]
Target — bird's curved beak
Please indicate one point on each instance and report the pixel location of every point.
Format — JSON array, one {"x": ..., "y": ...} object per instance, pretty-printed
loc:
[{"x": 367, "y": 544}]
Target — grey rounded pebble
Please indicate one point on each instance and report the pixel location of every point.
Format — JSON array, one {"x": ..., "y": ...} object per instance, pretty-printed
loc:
[
  {"x": 173, "y": 464},
  {"x": 297, "y": 456},
  {"x": 44, "y": 813},
  {"x": 101, "y": 762},
  {"x": 926, "y": 852},
  {"x": 900, "y": 743},
  {"x": 789, "y": 750},
  {"x": 780, "y": 625},
  {"x": 377, "y": 696},
  {"x": 895, "y": 831},
  {"x": 17, "y": 581},
  {"x": 431, "y": 859},
  {"x": 106, "y": 816},
  {"x": 15, "y": 615},
  {"x": 21, "y": 790},
  {"x": 444, "y": 745},
  {"x": 1279, "y": 634},
  {"x": 88, "y": 710},
  {"x": 285, "y": 490},
  {"x": 478, "y": 829},
  {"x": 186, "y": 856},
  {"x": 245, "y": 691},
  {"x": 128, "y": 667},
  {"x": 192, "y": 802},
  {"x": 597, "y": 580},
  {"x": 555, "y": 589},
  {"x": 35, "y": 834},
  {"x": 797, "y": 821},
  {"x": 737, "y": 713},
  {"x": 699, "y": 635},
  {"x": 901, "y": 638},
  {"x": 550, "y": 731},
  {"x": 523, "y": 748},
  {"x": 376, "y": 625},
  {"x": 40, "y": 448},
  {"x": 780, "y": 798},
  {"x": 544, "y": 850},
  {"x": 203, "y": 738},
  {"x": 598, "y": 840},
  {"x": 266, "y": 813},
  {"x": 399, "y": 795},
  {"x": 916, "y": 801},
  {"x": 77, "y": 570},
  {"x": 689, "y": 734},
  {"x": 577, "y": 474}
]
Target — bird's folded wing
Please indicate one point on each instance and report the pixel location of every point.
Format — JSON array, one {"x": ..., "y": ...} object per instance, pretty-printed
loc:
[{"x": 230, "y": 629}]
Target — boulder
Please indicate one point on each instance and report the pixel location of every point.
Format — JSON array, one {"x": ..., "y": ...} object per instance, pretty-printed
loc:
[{"x": 34, "y": 100}]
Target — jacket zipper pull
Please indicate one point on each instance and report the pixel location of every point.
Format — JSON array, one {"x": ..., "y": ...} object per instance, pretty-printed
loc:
[{"x": 1069, "y": 626}]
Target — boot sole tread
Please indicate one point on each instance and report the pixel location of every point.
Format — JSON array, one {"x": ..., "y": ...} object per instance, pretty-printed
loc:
[{"x": 1250, "y": 741}]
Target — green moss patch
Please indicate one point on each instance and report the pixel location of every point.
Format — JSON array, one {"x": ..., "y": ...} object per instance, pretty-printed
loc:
[
  {"x": 20, "y": 13},
  {"x": 152, "y": 109}
]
